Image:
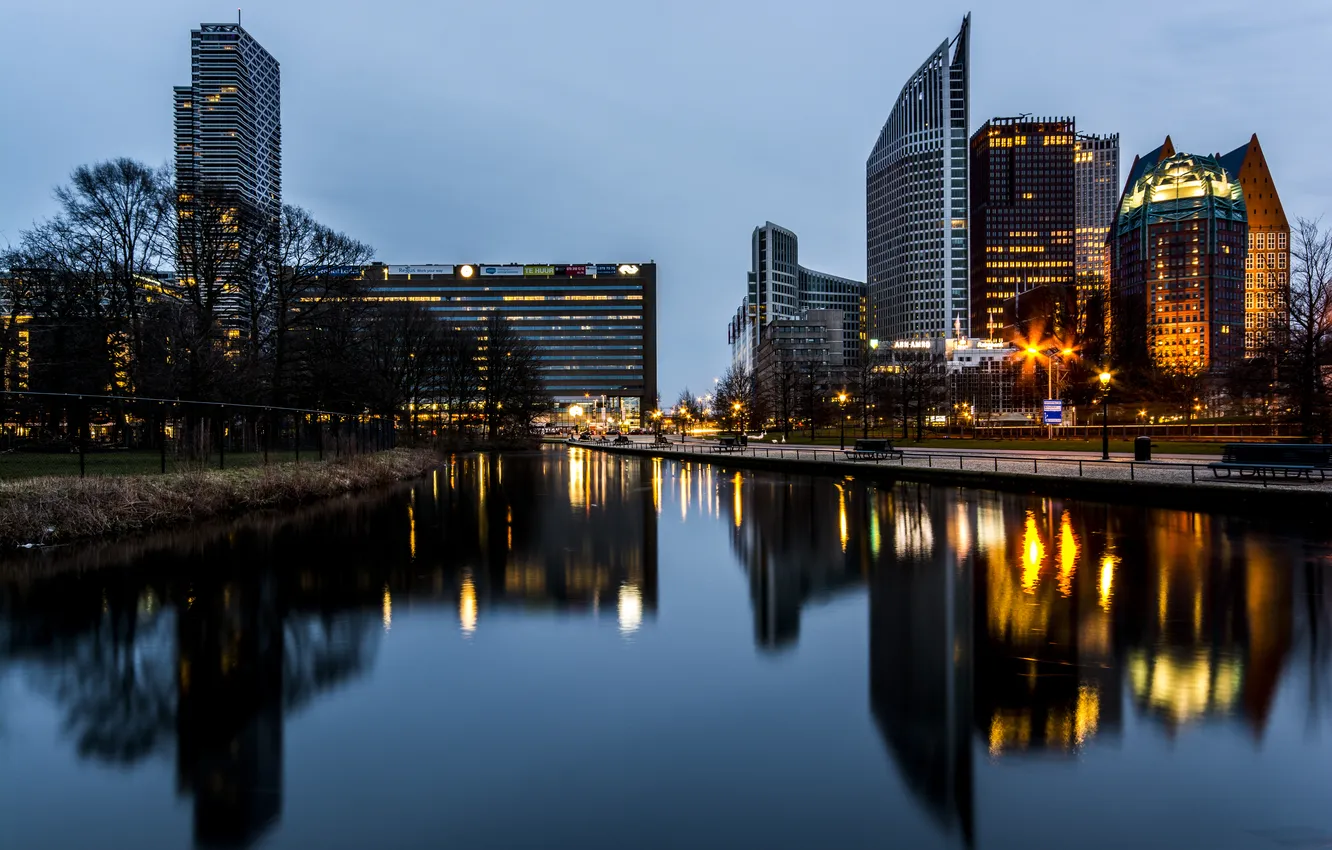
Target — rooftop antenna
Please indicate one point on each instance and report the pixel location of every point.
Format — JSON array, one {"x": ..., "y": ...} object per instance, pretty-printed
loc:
[{"x": 237, "y": 16}]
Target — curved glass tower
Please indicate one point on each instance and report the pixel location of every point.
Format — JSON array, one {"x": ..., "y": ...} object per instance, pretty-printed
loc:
[{"x": 916, "y": 204}]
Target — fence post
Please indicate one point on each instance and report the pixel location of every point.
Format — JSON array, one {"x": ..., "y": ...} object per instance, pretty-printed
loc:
[
  {"x": 161, "y": 432},
  {"x": 297, "y": 425},
  {"x": 83, "y": 436},
  {"x": 319, "y": 434},
  {"x": 268, "y": 431},
  {"x": 222, "y": 437}
]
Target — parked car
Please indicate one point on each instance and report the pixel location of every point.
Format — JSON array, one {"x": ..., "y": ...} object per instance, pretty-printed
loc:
[{"x": 635, "y": 431}]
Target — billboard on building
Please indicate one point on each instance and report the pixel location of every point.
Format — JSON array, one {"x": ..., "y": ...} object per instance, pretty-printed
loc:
[
  {"x": 420, "y": 269},
  {"x": 501, "y": 271}
]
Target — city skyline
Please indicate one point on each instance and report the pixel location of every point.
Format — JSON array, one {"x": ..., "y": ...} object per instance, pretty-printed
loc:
[{"x": 409, "y": 183}]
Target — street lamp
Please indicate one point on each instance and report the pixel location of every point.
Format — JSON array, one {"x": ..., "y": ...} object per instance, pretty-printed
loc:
[
  {"x": 735, "y": 408},
  {"x": 1105, "y": 416},
  {"x": 656, "y": 424},
  {"x": 841, "y": 400}
]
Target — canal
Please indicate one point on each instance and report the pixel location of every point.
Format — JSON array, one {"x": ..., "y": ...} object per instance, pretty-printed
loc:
[{"x": 571, "y": 649}]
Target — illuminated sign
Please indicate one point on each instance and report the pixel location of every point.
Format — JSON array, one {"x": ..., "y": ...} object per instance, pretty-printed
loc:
[
  {"x": 338, "y": 271},
  {"x": 628, "y": 269},
  {"x": 538, "y": 270},
  {"x": 572, "y": 271},
  {"x": 466, "y": 271},
  {"x": 501, "y": 271},
  {"x": 1053, "y": 409},
  {"x": 605, "y": 269},
  {"x": 420, "y": 269}
]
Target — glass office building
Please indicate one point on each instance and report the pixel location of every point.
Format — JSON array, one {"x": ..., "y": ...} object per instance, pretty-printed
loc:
[
  {"x": 594, "y": 325},
  {"x": 916, "y": 204}
]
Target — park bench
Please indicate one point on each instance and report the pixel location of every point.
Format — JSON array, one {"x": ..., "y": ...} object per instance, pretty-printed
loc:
[
  {"x": 872, "y": 449},
  {"x": 727, "y": 444},
  {"x": 1274, "y": 460}
]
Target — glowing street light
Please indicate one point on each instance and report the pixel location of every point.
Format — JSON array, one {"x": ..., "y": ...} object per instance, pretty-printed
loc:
[
  {"x": 841, "y": 400},
  {"x": 1105, "y": 415}
]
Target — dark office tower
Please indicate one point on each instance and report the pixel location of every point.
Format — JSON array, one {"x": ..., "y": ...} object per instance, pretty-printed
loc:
[
  {"x": 1022, "y": 215},
  {"x": 1267, "y": 268},
  {"x": 1096, "y": 181},
  {"x": 1177, "y": 256},
  {"x": 228, "y": 131},
  {"x": 916, "y": 204}
]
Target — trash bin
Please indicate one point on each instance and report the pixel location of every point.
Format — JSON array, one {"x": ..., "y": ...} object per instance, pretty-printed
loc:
[
  {"x": 744, "y": 439},
  {"x": 1142, "y": 448}
]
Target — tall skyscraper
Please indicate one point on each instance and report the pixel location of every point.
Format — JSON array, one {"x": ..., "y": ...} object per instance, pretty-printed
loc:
[
  {"x": 229, "y": 120},
  {"x": 1267, "y": 267},
  {"x": 781, "y": 288},
  {"x": 916, "y": 204},
  {"x": 1177, "y": 258},
  {"x": 1096, "y": 187},
  {"x": 1022, "y": 214}
]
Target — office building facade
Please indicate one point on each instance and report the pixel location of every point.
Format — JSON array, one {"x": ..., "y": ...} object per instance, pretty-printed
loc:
[
  {"x": 1022, "y": 214},
  {"x": 916, "y": 204},
  {"x": 1096, "y": 189},
  {"x": 1267, "y": 265},
  {"x": 228, "y": 120},
  {"x": 780, "y": 288},
  {"x": 594, "y": 325},
  {"x": 1177, "y": 258}
]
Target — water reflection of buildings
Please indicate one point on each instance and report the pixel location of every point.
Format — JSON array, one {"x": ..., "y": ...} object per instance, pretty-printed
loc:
[
  {"x": 793, "y": 537},
  {"x": 1018, "y": 626},
  {"x": 203, "y": 642}
]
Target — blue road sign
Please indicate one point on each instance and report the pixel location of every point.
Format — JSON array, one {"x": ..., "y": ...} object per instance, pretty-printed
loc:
[{"x": 1054, "y": 411}]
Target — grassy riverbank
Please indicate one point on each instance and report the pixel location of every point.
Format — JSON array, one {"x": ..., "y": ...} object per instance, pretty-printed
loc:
[{"x": 59, "y": 510}]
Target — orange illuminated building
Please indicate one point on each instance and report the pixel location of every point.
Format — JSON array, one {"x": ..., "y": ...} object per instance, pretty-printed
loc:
[{"x": 1267, "y": 267}]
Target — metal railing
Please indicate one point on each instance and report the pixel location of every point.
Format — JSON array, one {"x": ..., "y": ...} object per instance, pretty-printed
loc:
[
  {"x": 1121, "y": 469},
  {"x": 73, "y": 434}
]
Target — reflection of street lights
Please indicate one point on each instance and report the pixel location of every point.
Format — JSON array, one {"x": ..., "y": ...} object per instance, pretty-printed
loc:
[
  {"x": 1105, "y": 416},
  {"x": 841, "y": 400}
]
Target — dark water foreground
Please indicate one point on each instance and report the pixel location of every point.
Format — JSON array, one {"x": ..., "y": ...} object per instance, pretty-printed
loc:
[{"x": 571, "y": 649}]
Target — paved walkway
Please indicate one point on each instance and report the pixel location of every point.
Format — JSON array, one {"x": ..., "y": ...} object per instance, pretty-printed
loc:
[{"x": 1164, "y": 469}]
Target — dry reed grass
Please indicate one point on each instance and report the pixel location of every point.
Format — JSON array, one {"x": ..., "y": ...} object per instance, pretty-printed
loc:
[{"x": 41, "y": 511}]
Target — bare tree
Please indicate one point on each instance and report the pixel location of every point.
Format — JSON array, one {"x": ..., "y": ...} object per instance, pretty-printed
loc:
[
  {"x": 315, "y": 268},
  {"x": 735, "y": 398},
  {"x": 512, "y": 393},
  {"x": 457, "y": 376},
  {"x": 921, "y": 378},
  {"x": 119, "y": 210},
  {"x": 1310, "y": 336}
]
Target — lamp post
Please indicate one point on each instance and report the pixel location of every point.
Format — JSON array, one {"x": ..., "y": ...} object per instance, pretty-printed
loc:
[
  {"x": 656, "y": 424},
  {"x": 841, "y": 400},
  {"x": 735, "y": 408},
  {"x": 1105, "y": 416}
]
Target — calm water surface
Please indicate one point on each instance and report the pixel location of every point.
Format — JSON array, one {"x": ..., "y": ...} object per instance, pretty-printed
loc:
[{"x": 568, "y": 649}]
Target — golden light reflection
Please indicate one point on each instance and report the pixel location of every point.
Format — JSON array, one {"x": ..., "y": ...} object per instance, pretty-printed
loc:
[
  {"x": 735, "y": 496},
  {"x": 1033, "y": 553},
  {"x": 876, "y": 540},
  {"x": 467, "y": 604},
  {"x": 1068, "y": 555},
  {"x": 1185, "y": 686},
  {"x": 656, "y": 485},
  {"x": 1108, "y": 564},
  {"x": 962, "y": 532},
  {"x": 411, "y": 527},
  {"x": 435, "y": 479},
  {"x": 630, "y": 608},
  {"x": 841, "y": 515},
  {"x": 387, "y": 608},
  {"x": 685, "y": 486},
  {"x": 1009, "y": 730},
  {"x": 1087, "y": 716},
  {"x": 577, "y": 479}
]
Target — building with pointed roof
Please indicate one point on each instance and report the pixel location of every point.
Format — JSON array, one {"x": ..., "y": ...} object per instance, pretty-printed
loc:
[{"x": 1267, "y": 266}]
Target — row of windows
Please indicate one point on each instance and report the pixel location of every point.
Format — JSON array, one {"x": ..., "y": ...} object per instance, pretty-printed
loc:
[
  {"x": 1270, "y": 241},
  {"x": 1265, "y": 261}
]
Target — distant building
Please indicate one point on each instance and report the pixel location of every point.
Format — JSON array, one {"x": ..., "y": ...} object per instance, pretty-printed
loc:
[
  {"x": 780, "y": 288},
  {"x": 916, "y": 204},
  {"x": 1267, "y": 265},
  {"x": 1096, "y": 189},
  {"x": 594, "y": 325},
  {"x": 1177, "y": 257},
  {"x": 229, "y": 118},
  {"x": 1022, "y": 214}
]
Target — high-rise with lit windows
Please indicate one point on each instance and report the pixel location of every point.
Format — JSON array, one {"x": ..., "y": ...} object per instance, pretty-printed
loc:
[
  {"x": 1022, "y": 214},
  {"x": 916, "y": 203},
  {"x": 1177, "y": 257},
  {"x": 1096, "y": 189},
  {"x": 781, "y": 288},
  {"x": 1267, "y": 266},
  {"x": 229, "y": 119}
]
